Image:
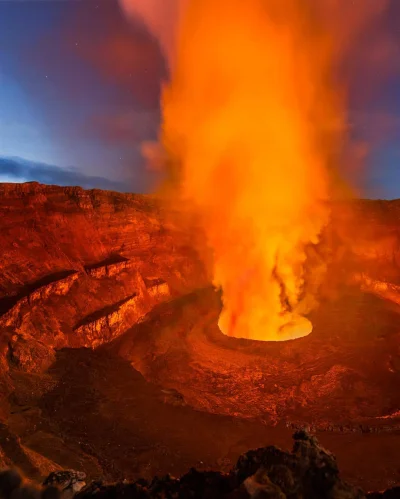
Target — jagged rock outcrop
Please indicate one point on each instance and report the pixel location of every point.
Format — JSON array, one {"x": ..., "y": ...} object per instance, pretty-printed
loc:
[
  {"x": 110, "y": 267},
  {"x": 29, "y": 354},
  {"x": 157, "y": 288},
  {"x": 12, "y": 308},
  {"x": 108, "y": 323},
  {"x": 309, "y": 471},
  {"x": 68, "y": 482}
]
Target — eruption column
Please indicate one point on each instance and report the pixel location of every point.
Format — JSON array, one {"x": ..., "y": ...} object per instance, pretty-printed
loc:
[{"x": 251, "y": 123}]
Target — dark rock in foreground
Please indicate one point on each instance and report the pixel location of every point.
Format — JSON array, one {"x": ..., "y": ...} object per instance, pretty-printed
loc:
[
  {"x": 67, "y": 482},
  {"x": 309, "y": 471}
]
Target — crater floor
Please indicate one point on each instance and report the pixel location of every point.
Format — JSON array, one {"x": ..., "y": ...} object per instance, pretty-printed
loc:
[{"x": 346, "y": 372}]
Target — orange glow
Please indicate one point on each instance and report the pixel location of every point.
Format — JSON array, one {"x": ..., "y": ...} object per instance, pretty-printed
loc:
[{"x": 253, "y": 121}]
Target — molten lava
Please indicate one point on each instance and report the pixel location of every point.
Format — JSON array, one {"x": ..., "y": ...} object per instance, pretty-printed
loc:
[{"x": 251, "y": 123}]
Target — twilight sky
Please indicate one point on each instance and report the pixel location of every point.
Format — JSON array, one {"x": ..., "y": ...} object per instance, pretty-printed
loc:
[{"x": 79, "y": 93}]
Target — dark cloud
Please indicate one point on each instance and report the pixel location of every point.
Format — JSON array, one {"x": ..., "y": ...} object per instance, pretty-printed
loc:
[{"x": 23, "y": 170}]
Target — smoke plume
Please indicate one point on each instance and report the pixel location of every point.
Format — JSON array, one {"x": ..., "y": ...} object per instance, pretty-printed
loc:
[{"x": 254, "y": 124}]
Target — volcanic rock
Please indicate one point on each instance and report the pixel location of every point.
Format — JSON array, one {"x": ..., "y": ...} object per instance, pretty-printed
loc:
[
  {"x": 29, "y": 354},
  {"x": 69, "y": 255},
  {"x": 69, "y": 482},
  {"x": 110, "y": 267},
  {"x": 309, "y": 471}
]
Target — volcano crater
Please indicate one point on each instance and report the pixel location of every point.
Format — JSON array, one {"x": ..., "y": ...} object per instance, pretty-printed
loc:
[
  {"x": 343, "y": 371},
  {"x": 112, "y": 361}
]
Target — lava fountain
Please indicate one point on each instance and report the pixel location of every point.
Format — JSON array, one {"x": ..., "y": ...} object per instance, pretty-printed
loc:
[{"x": 252, "y": 122}]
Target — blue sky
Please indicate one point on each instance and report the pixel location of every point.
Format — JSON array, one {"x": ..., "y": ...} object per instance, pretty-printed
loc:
[
  {"x": 79, "y": 93},
  {"x": 60, "y": 104}
]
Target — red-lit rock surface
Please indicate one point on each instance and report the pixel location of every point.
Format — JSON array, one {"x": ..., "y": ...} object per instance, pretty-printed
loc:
[
  {"x": 79, "y": 267},
  {"x": 161, "y": 392},
  {"x": 347, "y": 370}
]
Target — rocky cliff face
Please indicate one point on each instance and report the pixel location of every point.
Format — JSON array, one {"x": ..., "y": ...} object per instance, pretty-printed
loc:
[
  {"x": 74, "y": 264},
  {"x": 78, "y": 268},
  {"x": 48, "y": 229}
]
